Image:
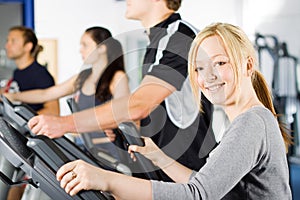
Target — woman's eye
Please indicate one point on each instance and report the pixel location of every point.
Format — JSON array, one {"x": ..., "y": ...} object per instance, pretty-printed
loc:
[
  {"x": 217, "y": 64},
  {"x": 197, "y": 69}
]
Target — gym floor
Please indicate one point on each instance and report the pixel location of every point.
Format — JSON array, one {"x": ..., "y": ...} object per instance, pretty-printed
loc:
[{"x": 295, "y": 180}]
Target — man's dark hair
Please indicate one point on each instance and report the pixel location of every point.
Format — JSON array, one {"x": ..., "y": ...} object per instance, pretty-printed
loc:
[
  {"x": 29, "y": 37},
  {"x": 173, "y": 4}
]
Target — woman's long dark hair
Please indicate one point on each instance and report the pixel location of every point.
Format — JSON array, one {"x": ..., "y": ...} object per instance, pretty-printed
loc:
[{"x": 115, "y": 63}]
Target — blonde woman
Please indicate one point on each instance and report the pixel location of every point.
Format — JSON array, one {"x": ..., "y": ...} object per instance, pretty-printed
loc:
[{"x": 250, "y": 161}]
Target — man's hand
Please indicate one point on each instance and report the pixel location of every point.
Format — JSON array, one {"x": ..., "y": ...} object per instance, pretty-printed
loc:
[{"x": 49, "y": 125}]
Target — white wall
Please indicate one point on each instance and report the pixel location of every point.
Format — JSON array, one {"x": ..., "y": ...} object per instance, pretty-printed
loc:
[
  {"x": 279, "y": 17},
  {"x": 201, "y": 13}
]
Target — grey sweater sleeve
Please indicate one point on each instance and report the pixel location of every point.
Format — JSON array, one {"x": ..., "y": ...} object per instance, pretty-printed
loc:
[{"x": 242, "y": 147}]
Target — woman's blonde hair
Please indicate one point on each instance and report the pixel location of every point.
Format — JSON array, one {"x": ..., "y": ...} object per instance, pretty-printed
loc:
[{"x": 238, "y": 47}]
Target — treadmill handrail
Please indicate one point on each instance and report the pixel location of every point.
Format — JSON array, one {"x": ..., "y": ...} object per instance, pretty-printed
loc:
[
  {"x": 133, "y": 137},
  {"x": 52, "y": 149},
  {"x": 103, "y": 157}
]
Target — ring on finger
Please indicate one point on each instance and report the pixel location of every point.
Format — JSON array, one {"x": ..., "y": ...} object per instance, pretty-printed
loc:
[{"x": 74, "y": 175}]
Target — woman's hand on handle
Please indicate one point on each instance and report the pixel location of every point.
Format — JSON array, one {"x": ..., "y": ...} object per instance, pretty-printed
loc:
[
  {"x": 150, "y": 151},
  {"x": 79, "y": 175},
  {"x": 171, "y": 167}
]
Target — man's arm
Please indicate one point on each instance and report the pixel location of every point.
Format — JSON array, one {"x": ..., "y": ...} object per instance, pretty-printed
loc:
[{"x": 136, "y": 106}]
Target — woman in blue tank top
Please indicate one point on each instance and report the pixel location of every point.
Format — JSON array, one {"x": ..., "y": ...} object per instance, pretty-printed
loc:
[{"x": 97, "y": 84}]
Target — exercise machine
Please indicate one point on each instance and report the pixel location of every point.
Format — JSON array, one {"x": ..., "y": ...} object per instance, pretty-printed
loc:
[
  {"x": 101, "y": 154},
  {"x": 38, "y": 156},
  {"x": 274, "y": 56},
  {"x": 126, "y": 134}
]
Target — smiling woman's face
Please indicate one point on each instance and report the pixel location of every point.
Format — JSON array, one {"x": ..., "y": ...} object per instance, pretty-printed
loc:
[{"x": 215, "y": 76}]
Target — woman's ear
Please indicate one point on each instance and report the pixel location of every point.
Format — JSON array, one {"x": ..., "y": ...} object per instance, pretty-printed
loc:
[
  {"x": 102, "y": 49},
  {"x": 250, "y": 66}
]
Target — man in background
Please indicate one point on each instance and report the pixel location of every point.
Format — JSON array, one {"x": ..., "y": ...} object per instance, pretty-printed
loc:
[{"x": 22, "y": 47}]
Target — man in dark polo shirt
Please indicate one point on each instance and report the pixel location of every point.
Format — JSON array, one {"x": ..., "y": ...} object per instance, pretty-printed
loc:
[{"x": 23, "y": 48}]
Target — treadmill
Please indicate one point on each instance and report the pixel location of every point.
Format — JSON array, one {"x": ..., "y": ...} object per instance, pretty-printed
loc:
[
  {"x": 38, "y": 156},
  {"x": 126, "y": 134},
  {"x": 101, "y": 154}
]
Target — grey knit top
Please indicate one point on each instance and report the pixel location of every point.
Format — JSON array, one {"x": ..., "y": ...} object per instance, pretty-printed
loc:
[{"x": 249, "y": 163}]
